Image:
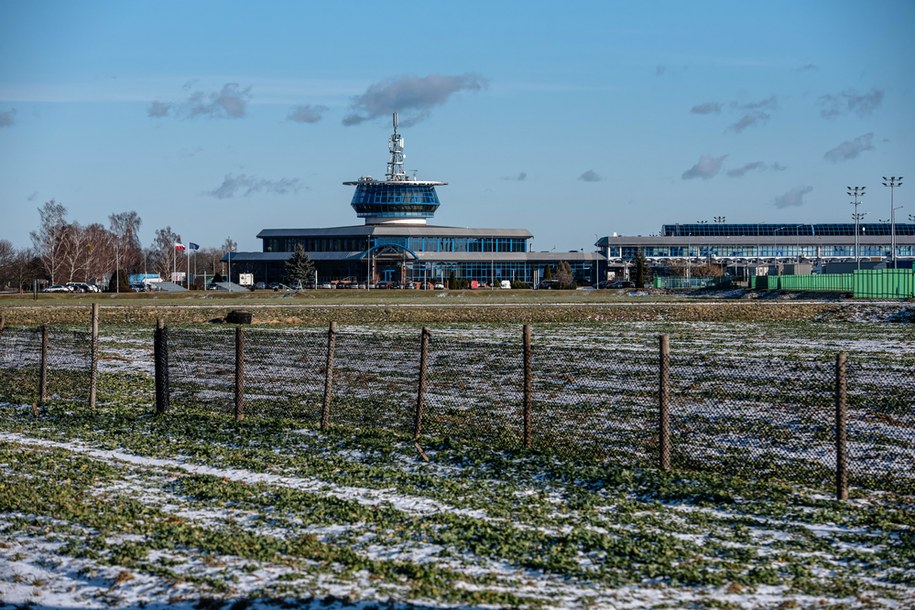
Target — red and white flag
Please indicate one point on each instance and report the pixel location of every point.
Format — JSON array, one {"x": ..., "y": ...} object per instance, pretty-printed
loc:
[{"x": 180, "y": 246}]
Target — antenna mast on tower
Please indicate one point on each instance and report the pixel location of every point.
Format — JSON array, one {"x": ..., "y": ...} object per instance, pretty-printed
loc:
[{"x": 395, "y": 146}]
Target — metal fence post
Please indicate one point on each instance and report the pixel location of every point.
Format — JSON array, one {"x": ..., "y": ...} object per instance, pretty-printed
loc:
[
  {"x": 841, "y": 438},
  {"x": 239, "y": 373},
  {"x": 528, "y": 398},
  {"x": 43, "y": 370},
  {"x": 329, "y": 375},
  {"x": 421, "y": 393},
  {"x": 160, "y": 358},
  {"x": 93, "y": 365},
  {"x": 664, "y": 403}
]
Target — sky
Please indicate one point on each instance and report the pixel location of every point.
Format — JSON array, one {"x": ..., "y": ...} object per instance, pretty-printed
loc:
[{"x": 573, "y": 120}]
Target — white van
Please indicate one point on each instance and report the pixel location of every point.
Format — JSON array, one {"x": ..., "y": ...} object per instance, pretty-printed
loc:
[{"x": 505, "y": 284}]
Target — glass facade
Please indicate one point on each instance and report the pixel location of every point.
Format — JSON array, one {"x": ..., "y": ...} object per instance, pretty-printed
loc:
[
  {"x": 416, "y": 244},
  {"x": 772, "y": 230},
  {"x": 802, "y": 250},
  {"x": 395, "y": 200}
]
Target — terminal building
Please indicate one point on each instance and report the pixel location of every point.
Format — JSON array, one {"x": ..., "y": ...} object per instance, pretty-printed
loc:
[
  {"x": 396, "y": 245},
  {"x": 739, "y": 246}
]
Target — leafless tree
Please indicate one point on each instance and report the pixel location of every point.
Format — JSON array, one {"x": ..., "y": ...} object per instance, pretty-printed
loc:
[
  {"x": 100, "y": 253},
  {"x": 125, "y": 227},
  {"x": 73, "y": 255},
  {"x": 163, "y": 252},
  {"x": 49, "y": 238}
]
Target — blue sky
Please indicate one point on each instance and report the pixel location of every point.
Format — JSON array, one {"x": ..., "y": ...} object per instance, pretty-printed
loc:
[{"x": 572, "y": 119}]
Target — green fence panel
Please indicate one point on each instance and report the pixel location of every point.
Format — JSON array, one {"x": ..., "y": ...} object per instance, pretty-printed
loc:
[{"x": 884, "y": 284}]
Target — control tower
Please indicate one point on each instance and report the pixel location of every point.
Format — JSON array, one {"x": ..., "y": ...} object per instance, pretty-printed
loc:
[{"x": 398, "y": 199}]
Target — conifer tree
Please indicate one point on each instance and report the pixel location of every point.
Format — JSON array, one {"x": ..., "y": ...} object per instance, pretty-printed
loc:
[{"x": 299, "y": 268}]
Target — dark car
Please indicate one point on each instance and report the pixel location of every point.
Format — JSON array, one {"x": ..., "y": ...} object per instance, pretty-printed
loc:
[{"x": 621, "y": 284}]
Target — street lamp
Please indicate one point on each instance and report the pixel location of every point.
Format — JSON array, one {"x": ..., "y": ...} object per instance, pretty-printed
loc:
[
  {"x": 856, "y": 191},
  {"x": 893, "y": 182},
  {"x": 719, "y": 219}
]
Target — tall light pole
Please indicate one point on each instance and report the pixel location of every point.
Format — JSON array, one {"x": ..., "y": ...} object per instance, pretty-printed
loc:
[
  {"x": 892, "y": 182},
  {"x": 856, "y": 191}
]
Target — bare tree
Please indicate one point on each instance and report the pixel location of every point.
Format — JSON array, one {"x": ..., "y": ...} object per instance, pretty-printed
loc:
[
  {"x": 73, "y": 255},
  {"x": 18, "y": 267},
  {"x": 48, "y": 239},
  {"x": 125, "y": 227},
  {"x": 100, "y": 253},
  {"x": 163, "y": 251},
  {"x": 7, "y": 256}
]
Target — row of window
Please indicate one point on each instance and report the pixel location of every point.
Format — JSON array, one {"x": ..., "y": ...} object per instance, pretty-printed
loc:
[
  {"x": 808, "y": 230},
  {"x": 416, "y": 244},
  {"x": 584, "y": 272},
  {"x": 395, "y": 210},
  {"x": 764, "y": 251},
  {"x": 394, "y": 193}
]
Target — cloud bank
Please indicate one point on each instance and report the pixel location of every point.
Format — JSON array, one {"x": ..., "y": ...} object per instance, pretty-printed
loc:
[
  {"x": 412, "y": 96},
  {"x": 230, "y": 102},
  {"x": 793, "y": 198},
  {"x": 244, "y": 185},
  {"x": 706, "y": 168},
  {"x": 850, "y": 149}
]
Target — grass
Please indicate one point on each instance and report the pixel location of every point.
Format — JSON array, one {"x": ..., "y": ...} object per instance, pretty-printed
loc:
[{"x": 196, "y": 500}]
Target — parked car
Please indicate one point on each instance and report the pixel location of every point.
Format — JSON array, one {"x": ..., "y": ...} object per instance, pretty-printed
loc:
[
  {"x": 56, "y": 288},
  {"x": 260, "y": 286},
  {"x": 621, "y": 284},
  {"x": 439, "y": 286}
]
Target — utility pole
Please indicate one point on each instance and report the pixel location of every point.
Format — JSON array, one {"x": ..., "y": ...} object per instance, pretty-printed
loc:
[
  {"x": 856, "y": 191},
  {"x": 893, "y": 182}
]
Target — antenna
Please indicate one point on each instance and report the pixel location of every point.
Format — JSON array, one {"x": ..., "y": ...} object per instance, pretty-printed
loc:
[{"x": 395, "y": 164}]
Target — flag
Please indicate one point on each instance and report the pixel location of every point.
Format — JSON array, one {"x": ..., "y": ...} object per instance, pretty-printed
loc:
[
  {"x": 192, "y": 246},
  {"x": 179, "y": 246}
]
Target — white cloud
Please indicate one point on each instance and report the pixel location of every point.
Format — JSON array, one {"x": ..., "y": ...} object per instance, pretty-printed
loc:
[
  {"x": 413, "y": 96},
  {"x": 230, "y": 102},
  {"x": 306, "y": 113},
  {"x": 706, "y": 168},
  {"x": 590, "y": 176},
  {"x": 793, "y": 198},
  {"x": 850, "y": 149},
  {"x": 706, "y": 108},
  {"x": 245, "y": 185},
  {"x": 754, "y": 166},
  {"x": 850, "y": 100},
  {"x": 6, "y": 118}
]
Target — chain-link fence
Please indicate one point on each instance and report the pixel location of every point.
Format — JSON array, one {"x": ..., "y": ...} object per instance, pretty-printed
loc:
[
  {"x": 42, "y": 364},
  {"x": 550, "y": 390}
]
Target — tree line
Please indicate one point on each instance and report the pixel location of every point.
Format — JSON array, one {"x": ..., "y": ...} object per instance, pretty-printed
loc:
[{"x": 67, "y": 251}]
